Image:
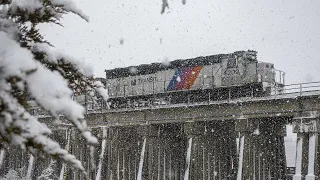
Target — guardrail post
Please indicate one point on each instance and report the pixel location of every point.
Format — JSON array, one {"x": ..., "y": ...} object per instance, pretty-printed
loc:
[
  {"x": 229, "y": 95},
  {"x": 300, "y": 89}
]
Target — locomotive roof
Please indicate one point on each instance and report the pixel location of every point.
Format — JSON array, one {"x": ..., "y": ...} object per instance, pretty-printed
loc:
[{"x": 155, "y": 67}]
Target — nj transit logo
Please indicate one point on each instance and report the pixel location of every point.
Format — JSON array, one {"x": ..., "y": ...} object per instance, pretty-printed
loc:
[{"x": 184, "y": 78}]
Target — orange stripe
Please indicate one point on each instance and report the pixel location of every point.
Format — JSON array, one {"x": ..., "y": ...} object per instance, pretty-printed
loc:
[{"x": 192, "y": 78}]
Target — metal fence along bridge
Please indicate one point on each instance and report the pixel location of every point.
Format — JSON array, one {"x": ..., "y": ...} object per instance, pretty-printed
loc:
[{"x": 234, "y": 138}]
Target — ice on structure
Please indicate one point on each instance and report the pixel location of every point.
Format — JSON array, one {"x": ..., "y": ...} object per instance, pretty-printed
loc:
[
  {"x": 188, "y": 160},
  {"x": 2, "y": 152},
  {"x": 239, "y": 175},
  {"x": 139, "y": 176},
  {"x": 101, "y": 157},
  {"x": 30, "y": 166}
]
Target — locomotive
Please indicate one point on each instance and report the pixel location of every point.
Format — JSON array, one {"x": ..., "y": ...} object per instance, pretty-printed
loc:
[{"x": 205, "y": 78}]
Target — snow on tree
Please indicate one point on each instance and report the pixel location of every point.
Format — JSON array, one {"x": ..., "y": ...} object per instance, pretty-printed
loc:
[{"x": 30, "y": 68}]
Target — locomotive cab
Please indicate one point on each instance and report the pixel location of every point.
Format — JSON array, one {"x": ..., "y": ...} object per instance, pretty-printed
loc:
[
  {"x": 271, "y": 78},
  {"x": 266, "y": 76}
]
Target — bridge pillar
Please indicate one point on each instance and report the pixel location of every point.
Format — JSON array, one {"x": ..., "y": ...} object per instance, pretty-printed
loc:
[
  {"x": 164, "y": 156},
  {"x": 261, "y": 152},
  {"x": 247, "y": 141},
  {"x": 193, "y": 131},
  {"x": 210, "y": 150},
  {"x": 143, "y": 152},
  {"x": 121, "y": 159},
  {"x": 149, "y": 147},
  {"x": 307, "y": 128}
]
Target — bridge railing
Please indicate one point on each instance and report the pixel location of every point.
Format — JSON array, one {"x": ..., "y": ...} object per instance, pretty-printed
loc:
[
  {"x": 299, "y": 89},
  {"x": 279, "y": 91}
]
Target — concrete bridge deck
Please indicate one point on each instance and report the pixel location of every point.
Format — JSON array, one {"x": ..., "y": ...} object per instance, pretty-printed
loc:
[{"x": 241, "y": 108}]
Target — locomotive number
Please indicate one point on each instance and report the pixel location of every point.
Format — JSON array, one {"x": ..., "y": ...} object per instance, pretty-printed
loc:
[{"x": 232, "y": 72}]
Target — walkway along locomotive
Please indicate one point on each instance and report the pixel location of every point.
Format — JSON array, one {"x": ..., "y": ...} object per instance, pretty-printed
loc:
[{"x": 199, "y": 79}]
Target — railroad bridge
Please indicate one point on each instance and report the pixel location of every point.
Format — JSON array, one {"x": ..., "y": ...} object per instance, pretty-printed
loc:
[{"x": 236, "y": 139}]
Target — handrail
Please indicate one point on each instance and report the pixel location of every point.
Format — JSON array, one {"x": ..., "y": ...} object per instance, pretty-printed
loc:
[
  {"x": 276, "y": 92},
  {"x": 313, "y": 82}
]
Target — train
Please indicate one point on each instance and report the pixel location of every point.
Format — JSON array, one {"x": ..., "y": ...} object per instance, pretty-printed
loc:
[{"x": 204, "y": 78}]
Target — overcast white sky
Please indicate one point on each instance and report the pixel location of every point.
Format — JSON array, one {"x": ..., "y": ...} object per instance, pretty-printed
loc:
[{"x": 284, "y": 32}]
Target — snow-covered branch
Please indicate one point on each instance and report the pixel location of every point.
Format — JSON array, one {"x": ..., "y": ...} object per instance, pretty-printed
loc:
[
  {"x": 30, "y": 68},
  {"x": 52, "y": 10},
  {"x": 22, "y": 129}
]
